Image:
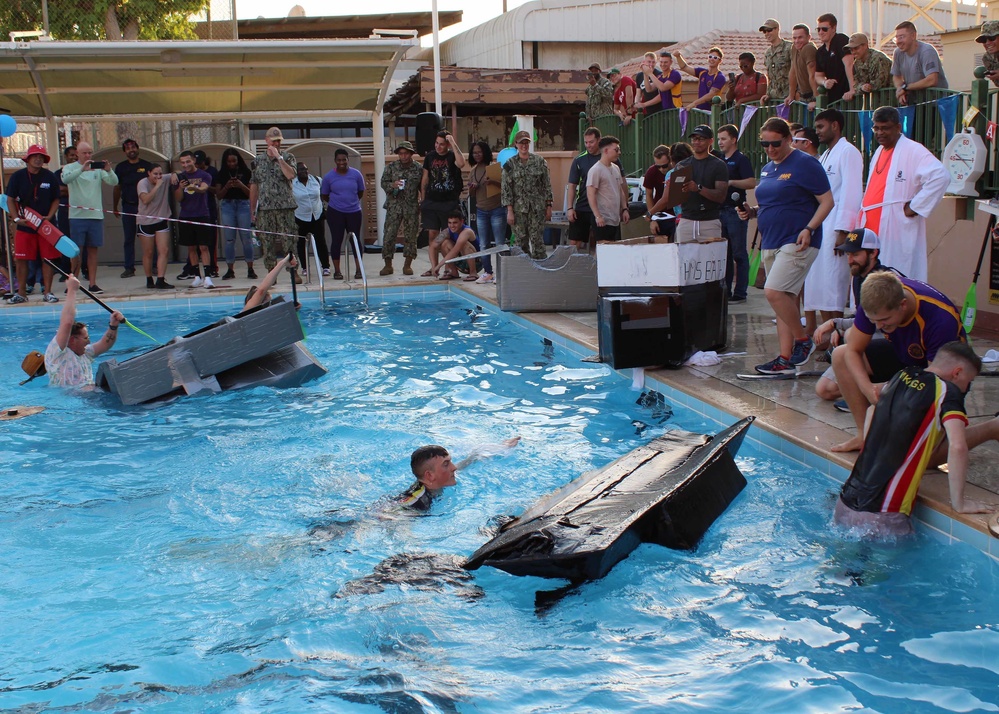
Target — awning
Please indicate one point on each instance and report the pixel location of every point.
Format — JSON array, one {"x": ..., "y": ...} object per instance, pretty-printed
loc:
[{"x": 245, "y": 79}]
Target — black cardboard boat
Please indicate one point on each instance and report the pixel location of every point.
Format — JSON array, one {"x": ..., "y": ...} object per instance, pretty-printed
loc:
[
  {"x": 261, "y": 347},
  {"x": 668, "y": 491}
]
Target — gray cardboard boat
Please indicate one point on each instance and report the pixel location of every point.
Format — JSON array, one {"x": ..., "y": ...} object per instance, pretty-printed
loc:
[
  {"x": 668, "y": 492},
  {"x": 261, "y": 347}
]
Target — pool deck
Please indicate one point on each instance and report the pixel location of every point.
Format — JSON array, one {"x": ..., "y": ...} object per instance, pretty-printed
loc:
[{"x": 788, "y": 408}]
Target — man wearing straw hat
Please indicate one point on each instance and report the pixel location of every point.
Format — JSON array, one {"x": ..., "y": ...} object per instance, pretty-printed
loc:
[{"x": 69, "y": 358}]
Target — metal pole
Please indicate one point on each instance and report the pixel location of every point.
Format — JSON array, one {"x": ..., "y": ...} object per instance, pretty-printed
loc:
[
  {"x": 437, "y": 62},
  {"x": 6, "y": 235},
  {"x": 45, "y": 16}
]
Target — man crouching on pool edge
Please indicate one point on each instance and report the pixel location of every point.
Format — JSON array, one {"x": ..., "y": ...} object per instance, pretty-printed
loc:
[
  {"x": 434, "y": 471},
  {"x": 918, "y": 422}
]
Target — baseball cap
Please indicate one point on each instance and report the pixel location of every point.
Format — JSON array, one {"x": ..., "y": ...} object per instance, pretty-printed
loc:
[
  {"x": 274, "y": 133},
  {"x": 200, "y": 156},
  {"x": 990, "y": 28},
  {"x": 614, "y": 70},
  {"x": 859, "y": 38},
  {"x": 405, "y": 146},
  {"x": 769, "y": 24},
  {"x": 702, "y": 130},
  {"x": 521, "y": 136},
  {"x": 36, "y": 149},
  {"x": 860, "y": 239},
  {"x": 594, "y": 67}
]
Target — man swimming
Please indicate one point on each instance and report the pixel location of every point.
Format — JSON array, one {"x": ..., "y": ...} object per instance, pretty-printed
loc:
[{"x": 434, "y": 471}]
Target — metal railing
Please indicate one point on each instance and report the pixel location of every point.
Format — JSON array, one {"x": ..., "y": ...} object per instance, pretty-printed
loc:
[
  {"x": 318, "y": 268},
  {"x": 358, "y": 253}
]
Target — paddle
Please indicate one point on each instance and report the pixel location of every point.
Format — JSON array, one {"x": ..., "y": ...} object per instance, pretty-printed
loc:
[
  {"x": 100, "y": 302},
  {"x": 294, "y": 286},
  {"x": 754, "y": 263},
  {"x": 971, "y": 298}
]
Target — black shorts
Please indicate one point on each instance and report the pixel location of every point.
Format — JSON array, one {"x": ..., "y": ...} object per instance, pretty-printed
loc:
[
  {"x": 579, "y": 229},
  {"x": 435, "y": 213},
  {"x": 607, "y": 233},
  {"x": 153, "y": 228},
  {"x": 196, "y": 234},
  {"x": 883, "y": 360}
]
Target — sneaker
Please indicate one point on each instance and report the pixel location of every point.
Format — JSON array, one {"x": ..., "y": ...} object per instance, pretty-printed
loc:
[
  {"x": 778, "y": 365},
  {"x": 49, "y": 297},
  {"x": 96, "y": 290},
  {"x": 326, "y": 272},
  {"x": 229, "y": 275},
  {"x": 305, "y": 275},
  {"x": 250, "y": 274},
  {"x": 841, "y": 406},
  {"x": 198, "y": 282},
  {"x": 30, "y": 289},
  {"x": 150, "y": 283},
  {"x": 162, "y": 284},
  {"x": 127, "y": 273},
  {"x": 484, "y": 278},
  {"x": 213, "y": 274},
  {"x": 208, "y": 284},
  {"x": 802, "y": 351},
  {"x": 185, "y": 276},
  {"x": 736, "y": 299},
  {"x": 16, "y": 299}
]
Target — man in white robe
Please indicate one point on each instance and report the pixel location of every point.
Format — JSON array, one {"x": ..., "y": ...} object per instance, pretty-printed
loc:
[
  {"x": 904, "y": 184},
  {"x": 827, "y": 287}
]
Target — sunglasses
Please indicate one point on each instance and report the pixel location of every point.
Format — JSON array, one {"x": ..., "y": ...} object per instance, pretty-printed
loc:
[
  {"x": 713, "y": 57},
  {"x": 822, "y": 29},
  {"x": 766, "y": 30},
  {"x": 799, "y": 139},
  {"x": 990, "y": 38},
  {"x": 770, "y": 144}
]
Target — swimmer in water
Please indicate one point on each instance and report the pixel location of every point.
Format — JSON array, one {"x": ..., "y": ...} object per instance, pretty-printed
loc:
[{"x": 434, "y": 471}]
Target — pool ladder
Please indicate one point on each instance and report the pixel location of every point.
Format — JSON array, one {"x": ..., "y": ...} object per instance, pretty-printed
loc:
[{"x": 317, "y": 268}]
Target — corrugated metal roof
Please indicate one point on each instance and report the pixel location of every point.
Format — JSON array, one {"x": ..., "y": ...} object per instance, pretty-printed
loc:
[{"x": 499, "y": 43}]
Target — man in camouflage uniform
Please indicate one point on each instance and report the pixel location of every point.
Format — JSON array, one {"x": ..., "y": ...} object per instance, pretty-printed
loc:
[
  {"x": 527, "y": 194},
  {"x": 777, "y": 61},
  {"x": 401, "y": 183},
  {"x": 871, "y": 68},
  {"x": 599, "y": 95},
  {"x": 990, "y": 58},
  {"x": 272, "y": 201}
]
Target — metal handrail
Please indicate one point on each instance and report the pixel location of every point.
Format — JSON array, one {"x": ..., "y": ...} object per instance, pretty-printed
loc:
[
  {"x": 318, "y": 269},
  {"x": 360, "y": 265}
]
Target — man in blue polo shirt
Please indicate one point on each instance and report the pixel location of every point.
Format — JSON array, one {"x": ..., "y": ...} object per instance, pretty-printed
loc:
[{"x": 916, "y": 320}]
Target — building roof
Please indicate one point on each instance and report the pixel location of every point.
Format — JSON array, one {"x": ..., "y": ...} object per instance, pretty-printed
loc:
[{"x": 342, "y": 26}]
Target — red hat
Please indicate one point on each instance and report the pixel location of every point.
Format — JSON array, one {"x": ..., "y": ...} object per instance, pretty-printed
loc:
[{"x": 36, "y": 149}]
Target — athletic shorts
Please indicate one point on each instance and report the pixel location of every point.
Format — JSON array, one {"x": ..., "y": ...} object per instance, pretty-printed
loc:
[
  {"x": 193, "y": 235},
  {"x": 28, "y": 246},
  {"x": 87, "y": 232},
  {"x": 882, "y": 359},
  {"x": 787, "y": 267},
  {"x": 607, "y": 233},
  {"x": 153, "y": 228},
  {"x": 688, "y": 231},
  {"x": 435, "y": 213},
  {"x": 579, "y": 229}
]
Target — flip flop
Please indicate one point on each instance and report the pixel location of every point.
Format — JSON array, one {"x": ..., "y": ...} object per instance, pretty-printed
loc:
[
  {"x": 428, "y": 274},
  {"x": 470, "y": 278},
  {"x": 448, "y": 276}
]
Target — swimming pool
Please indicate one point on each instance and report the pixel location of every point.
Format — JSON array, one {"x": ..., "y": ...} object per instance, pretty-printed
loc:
[{"x": 209, "y": 555}]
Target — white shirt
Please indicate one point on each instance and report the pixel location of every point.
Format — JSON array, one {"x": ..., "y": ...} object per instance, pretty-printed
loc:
[{"x": 310, "y": 206}]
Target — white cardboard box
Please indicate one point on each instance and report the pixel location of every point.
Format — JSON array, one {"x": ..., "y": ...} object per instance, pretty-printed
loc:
[{"x": 652, "y": 262}]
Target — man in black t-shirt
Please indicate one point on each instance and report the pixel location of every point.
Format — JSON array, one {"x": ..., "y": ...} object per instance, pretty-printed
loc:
[
  {"x": 833, "y": 61},
  {"x": 129, "y": 172},
  {"x": 36, "y": 188},
  {"x": 440, "y": 188},
  {"x": 579, "y": 213},
  {"x": 700, "y": 216}
]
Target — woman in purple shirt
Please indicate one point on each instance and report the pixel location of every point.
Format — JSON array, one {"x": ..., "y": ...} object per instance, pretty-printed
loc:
[{"x": 342, "y": 189}]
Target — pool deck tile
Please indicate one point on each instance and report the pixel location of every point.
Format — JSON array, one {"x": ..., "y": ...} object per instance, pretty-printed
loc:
[{"x": 791, "y": 420}]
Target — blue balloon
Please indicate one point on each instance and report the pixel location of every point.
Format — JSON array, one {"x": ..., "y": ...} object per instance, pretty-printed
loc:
[
  {"x": 8, "y": 125},
  {"x": 506, "y": 154}
]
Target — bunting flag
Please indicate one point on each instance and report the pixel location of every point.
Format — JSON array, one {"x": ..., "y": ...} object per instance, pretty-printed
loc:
[
  {"x": 990, "y": 131},
  {"x": 866, "y": 127},
  {"x": 970, "y": 115},
  {"x": 908, "y": 117},
  {"x": 947, "y": 108},
  {"x": 747, "y": 116},
  {"x": 783, "y": 111},
  {"x": 683, "y": 122}
]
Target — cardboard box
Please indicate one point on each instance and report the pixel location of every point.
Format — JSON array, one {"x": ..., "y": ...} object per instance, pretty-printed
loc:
[
  {"x": 653, "y": 262},
  {"x": 565, "y": 281}
]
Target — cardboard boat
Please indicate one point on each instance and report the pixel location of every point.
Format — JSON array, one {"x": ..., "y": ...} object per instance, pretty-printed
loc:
[
  {"x": 261, "y": 347},
  {"x": 668, "y": 491}
]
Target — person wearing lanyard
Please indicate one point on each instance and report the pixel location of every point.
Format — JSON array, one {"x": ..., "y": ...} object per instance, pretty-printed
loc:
[{"x": 33, "y": 187}]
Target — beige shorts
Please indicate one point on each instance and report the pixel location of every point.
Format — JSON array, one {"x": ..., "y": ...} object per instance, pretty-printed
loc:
[
  {"x": 690, "y": 231},
  {"x": 787, "y": 267}
]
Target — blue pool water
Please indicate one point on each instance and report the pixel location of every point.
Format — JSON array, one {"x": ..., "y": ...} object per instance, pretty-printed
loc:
[{"x": 208, "y": 555}]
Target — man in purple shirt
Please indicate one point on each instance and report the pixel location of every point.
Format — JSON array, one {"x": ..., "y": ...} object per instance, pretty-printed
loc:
[
  {"x": 710, "y": 80},
  {"x": 195, "y": 229},
  {"x": 916, "y": 320}
]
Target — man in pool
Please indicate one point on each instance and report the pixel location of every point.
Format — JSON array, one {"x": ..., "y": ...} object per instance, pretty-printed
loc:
[
  {"x": 434, "y": 471},
  {"x": 69, "y": 358},
  {"x": 261, "y": 293},
  {"x": 919, "y": 421}
]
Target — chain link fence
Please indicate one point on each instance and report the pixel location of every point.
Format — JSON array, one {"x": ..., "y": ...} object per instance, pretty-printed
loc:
[{"x": 117, "y": 20}]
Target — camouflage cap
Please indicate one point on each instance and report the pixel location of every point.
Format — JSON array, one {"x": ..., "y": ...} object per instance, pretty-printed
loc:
[
  {"x": 857, "y": 39},
  {"x": 522, "y": 136},
  {"x": 405, "y": 146},
  {"x": 990, "y": 28},
  {"x": 769, "y": 24}
]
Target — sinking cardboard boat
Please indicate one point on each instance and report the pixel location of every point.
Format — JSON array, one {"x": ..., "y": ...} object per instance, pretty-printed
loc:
[
  {"x": 565, "y": 281},
  {"x": 668, "y": 491},
  {"x": 261, "y": 347}
]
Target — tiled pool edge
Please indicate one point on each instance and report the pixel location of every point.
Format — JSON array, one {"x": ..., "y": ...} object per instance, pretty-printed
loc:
[{"x": 765, "y": 438}]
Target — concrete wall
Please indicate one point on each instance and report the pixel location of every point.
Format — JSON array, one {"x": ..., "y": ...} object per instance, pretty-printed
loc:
[{"x": 961, "y": 54}]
